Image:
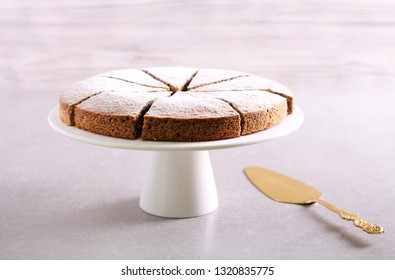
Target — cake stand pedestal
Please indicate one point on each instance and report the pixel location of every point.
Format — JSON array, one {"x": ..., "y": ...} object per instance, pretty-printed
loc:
[{"x": 179, "y": 182}]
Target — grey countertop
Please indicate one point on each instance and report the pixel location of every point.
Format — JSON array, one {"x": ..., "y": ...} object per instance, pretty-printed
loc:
[{"x": 63, "y": 199}]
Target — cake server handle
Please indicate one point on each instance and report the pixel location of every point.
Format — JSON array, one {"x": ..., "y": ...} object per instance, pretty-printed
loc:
[{"x": 357, "y": 221}]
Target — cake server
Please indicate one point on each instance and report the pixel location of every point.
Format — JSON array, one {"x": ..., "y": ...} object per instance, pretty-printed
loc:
[{"x": 285, "y": 189}]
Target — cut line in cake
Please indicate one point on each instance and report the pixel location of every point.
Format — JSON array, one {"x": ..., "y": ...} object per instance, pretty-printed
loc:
[
  {"x": 127, "y": 81},
  {"x": 176, "y": 78},
  {"x": 136, "y": 76}
]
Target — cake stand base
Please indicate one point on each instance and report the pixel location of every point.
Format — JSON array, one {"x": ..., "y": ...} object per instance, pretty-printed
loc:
[{"x": 179, "y": 184}]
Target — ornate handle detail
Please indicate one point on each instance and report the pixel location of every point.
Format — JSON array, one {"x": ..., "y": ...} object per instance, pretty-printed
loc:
[{"x": 357, "y": 221}]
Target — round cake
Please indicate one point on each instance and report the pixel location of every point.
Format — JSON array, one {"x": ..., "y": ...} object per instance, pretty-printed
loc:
[{"x": 175, "y": 104}]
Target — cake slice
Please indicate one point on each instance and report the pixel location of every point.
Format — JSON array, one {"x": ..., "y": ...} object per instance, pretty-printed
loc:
[
  {"x": 258, "y": 110},
  {"x": 207, "y": 76},
  {"x": 251, "y": 82},
  {"x": 115, "y": 113},
  {"x": 78, "y": 92},
  {"x": 177, "y": 78},
  {"x": 182, "y": 117}
]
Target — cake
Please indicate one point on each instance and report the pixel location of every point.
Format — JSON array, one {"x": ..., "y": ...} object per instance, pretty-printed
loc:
[{"x": 175, "y": 104}]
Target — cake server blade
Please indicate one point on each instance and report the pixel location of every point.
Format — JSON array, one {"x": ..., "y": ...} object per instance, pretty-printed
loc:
[{"x": 282, "y": 188}]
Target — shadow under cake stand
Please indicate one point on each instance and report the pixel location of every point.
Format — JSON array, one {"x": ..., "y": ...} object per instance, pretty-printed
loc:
[{"x": 179, "y": 182}]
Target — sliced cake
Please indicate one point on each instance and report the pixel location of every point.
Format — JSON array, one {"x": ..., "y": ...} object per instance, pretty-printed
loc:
[{"x": 175, "y": 104}]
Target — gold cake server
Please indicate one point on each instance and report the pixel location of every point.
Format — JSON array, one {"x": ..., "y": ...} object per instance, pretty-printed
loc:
[{"x": 285, "y": 189}]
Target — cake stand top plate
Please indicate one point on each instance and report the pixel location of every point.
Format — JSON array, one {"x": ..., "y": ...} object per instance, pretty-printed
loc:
[{"x": 287, "y": 126}]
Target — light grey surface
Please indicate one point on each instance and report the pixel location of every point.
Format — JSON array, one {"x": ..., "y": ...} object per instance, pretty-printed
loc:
[{"x": 62, "y": 199}]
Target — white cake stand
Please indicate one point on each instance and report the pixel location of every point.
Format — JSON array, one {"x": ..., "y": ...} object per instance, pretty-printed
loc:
[{"x": 179, "y": 181}]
